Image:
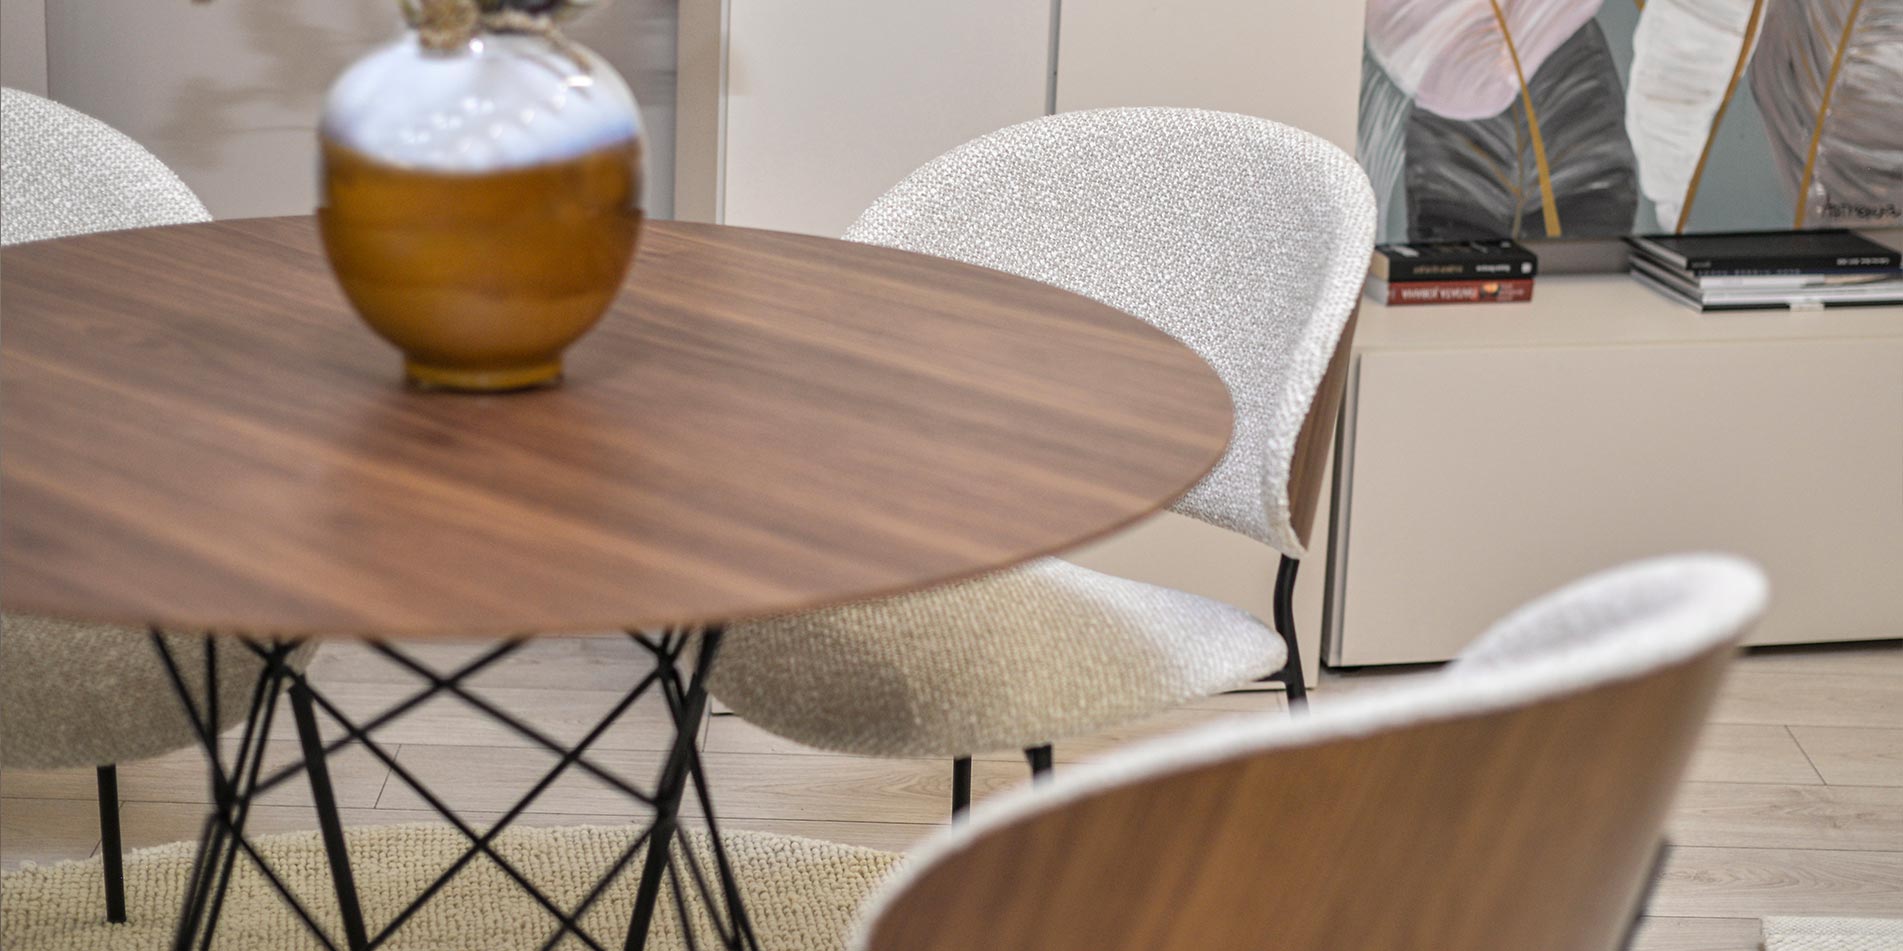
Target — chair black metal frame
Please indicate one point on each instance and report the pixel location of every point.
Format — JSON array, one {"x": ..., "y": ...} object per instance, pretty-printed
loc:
[{"x": 236, "y": 784}]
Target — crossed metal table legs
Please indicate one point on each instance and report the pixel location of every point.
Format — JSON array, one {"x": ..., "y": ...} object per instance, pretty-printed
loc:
[{"x": 237, "y": 781}]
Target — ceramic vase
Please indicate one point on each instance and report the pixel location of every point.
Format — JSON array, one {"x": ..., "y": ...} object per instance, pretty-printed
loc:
[{"x": 480, "y": 205}]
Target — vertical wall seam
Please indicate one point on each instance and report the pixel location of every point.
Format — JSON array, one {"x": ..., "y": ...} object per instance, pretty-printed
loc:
[
  {"x": 720, "y": 113},
  {"x": 1050, "y": 78}
]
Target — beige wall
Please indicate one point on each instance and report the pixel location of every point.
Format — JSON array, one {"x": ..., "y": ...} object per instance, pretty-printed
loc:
[
  {"x": 23, "y": 45},
  {"x": 1294, "y": 61},
  {"x": 228, "y": 93}
]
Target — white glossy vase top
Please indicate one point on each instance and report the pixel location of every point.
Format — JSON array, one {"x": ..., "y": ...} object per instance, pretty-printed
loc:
[{"x": 508, "y": 101}]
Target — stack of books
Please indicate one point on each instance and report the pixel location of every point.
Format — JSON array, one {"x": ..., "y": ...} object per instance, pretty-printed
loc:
[
  {"x": 1800, "y": 270},
  {"x": 1463, "y": 272}
]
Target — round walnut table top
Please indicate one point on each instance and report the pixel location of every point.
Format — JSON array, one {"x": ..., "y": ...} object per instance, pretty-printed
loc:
[{"x": 200, "y": 434}]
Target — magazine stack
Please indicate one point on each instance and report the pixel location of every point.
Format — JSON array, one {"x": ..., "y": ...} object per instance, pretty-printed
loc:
[{"x": 1798, "y": 270}]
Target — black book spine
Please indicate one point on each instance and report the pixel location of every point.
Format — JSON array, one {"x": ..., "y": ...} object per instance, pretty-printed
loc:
[
  {"x": 1404, "y": 269},
  {"x": 1733, "y": 267}
]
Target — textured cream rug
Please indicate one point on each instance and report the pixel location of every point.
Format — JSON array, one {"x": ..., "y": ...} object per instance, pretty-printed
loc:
[
  {"x": 801, "y": 893},
  {"x": 1833, "y": 934}
]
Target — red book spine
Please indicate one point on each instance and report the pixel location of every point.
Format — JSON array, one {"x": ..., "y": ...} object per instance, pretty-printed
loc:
[{"x": 1460, "y": 292}]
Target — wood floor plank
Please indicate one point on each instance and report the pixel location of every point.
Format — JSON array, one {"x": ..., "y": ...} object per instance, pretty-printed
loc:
[
  {"x": 492, "y": 779},
  {"x": 180, "y": 776},
  {"x": 1247, "y": 701},
  {"x": 565, "y": 715},
  {"x": 1767, "y": 693},
  {"x": 834, "y": 787},
  {"x": 1854, "y": 756},
  {"x": 1697, "y": 934},
  {"x": 745, "y": 785},
  {"x": 1750, "y": 753},
  {"x": 1769, "y": 816},
  {"x": 157, "y": 823},
  {"x": 1867, "y": 657},
  {"x": 47, "y": 830},
  {"x": 731, "y": 734},
  {"x": 1754, "y": 883},
  {"x": 583, "y": 662}
]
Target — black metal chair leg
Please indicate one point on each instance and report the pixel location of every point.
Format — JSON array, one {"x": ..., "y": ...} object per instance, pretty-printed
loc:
[
  {"x": 1291, "y": 674},
  {"x": 1040, "y": 760},
  {"x": 961, "y": 787},
  {"x": 111, "y": 847}
]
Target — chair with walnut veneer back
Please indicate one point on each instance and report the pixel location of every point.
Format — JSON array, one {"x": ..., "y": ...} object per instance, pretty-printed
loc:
[
  {"x": 75, "y": 694},
  {"x": 1244, "y": 239},
  {"x": 1512, "y": 801}
]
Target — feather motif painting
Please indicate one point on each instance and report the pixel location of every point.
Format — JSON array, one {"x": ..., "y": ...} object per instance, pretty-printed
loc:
[{"x": 1599, "y": 118}]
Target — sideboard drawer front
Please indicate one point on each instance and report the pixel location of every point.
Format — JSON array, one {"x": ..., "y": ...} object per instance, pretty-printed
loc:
[{"x": 1481, "y": 478}]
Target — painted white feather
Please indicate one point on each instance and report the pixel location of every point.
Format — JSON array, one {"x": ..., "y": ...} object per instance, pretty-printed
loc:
[
  {"x": 1684, "y": 53},
  {"x": 1450, "y": 56}
]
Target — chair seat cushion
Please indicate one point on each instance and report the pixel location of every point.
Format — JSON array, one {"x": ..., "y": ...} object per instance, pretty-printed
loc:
[
  {"x": 76, "y": 693},
  {"x": 1008, "y": 660}
]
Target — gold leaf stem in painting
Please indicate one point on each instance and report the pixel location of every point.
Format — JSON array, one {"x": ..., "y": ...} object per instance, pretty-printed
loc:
[
  {"x": 1548, "y": 204},
  {"x": 1823, "y": 110},
  {"x": 1718, "y": 117}
]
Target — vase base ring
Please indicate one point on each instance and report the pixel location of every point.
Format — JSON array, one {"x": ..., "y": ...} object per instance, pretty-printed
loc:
[{"x": 529, "y": 376}]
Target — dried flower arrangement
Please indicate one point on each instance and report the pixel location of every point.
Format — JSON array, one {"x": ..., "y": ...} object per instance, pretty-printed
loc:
[{"x": 448, "y": 24}]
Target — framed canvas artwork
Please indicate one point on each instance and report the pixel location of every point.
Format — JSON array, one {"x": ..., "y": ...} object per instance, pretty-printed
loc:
[{"x": 1599, "y": 118}]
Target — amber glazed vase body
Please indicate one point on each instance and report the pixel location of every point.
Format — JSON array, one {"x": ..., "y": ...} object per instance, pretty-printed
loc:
[{"x": 481, "y": 206}]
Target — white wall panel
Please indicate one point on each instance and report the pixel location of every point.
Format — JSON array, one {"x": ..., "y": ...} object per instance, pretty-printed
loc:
[{"x": 830, "y": 102}]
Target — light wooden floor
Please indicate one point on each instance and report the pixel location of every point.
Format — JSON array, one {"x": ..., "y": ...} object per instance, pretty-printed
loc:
[{"x": 1794, "y": 805}]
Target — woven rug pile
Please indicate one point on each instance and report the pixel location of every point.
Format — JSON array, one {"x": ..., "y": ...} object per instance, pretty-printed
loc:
[
  {"x": 1833, "y": 934},
  {"x": 801, "y": 893}
]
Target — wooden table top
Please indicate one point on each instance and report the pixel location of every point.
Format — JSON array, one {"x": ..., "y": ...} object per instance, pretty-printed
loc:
[{"x": 200, "y": 434}]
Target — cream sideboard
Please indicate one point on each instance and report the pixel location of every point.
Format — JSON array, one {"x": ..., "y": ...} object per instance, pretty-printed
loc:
[{"x": 1491, "y": 452}]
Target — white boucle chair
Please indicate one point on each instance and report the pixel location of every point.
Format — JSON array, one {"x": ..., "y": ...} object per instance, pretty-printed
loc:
[
  {"x": 1512, "y": 801},
  {"x": 1243, "y": 238},
  {"x": 75, "y": 694}
]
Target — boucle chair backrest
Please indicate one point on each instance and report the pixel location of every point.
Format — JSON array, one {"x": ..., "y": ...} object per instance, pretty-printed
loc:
[
  {"x": 64, "y": 173},
  {"x": 1515, "y": 803},
  {"x": 1244, "y": 238}
]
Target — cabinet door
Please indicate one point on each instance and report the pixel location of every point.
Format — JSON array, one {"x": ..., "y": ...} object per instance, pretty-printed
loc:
[
  {"x": 831, "y": 102},
  {"x": 1482, "y": 478}
]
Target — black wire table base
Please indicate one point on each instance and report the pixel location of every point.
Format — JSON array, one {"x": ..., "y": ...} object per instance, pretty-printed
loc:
[{"x": 238, "y": 779}]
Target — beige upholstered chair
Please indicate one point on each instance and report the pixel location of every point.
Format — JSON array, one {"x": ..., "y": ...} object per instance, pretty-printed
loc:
[
  {"x": 1243, "y": 238},
  {"x": 1511, "y": 802},
  {"x": 75, "y": 694}
]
